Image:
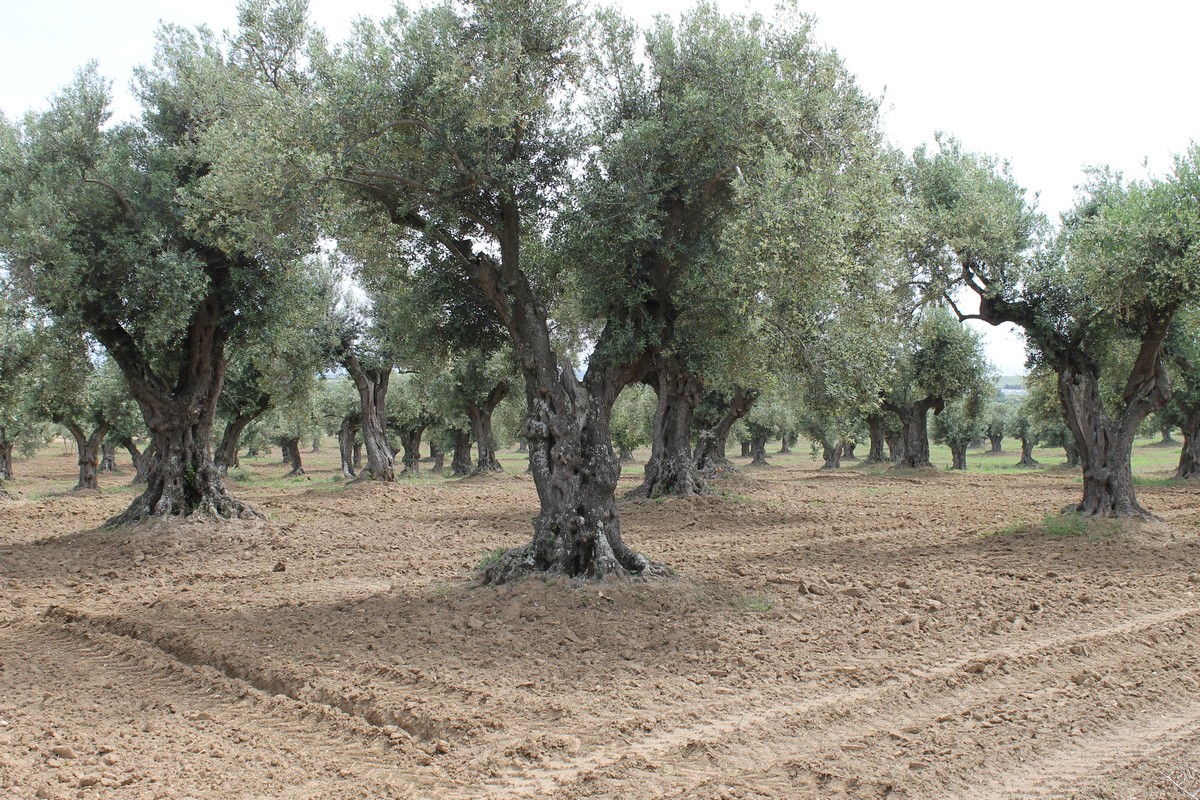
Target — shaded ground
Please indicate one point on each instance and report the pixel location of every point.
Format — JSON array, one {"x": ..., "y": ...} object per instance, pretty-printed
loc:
[{"x": 829, "y": 635}]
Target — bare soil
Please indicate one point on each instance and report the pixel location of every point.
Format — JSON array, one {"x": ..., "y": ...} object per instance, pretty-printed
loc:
[{"x": 827, "y": 635}]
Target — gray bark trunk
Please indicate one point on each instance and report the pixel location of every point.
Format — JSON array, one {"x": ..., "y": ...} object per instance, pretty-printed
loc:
[
  {"x": 671, "y": 470},
  {"x": 958, "y": 452},
  {"x": 88, "y": 448},
  {"x": 878, "y": 440},
  {"x": 372, "y": 385},
  {"x": 915, "y": 419},
  {"x": 460, "y": 464},
  {"x": 1027, "y": 459},
  {"x": 997, "y": 443},
  {"x": 347, "y": 432},
  {"x": 291, "y": 447},
  {"x": 1189, "y": 456},
  {"x": 831, "y": 454},
  {"x": 480, "y": 415},
  {"x": 108, "y": 457}
]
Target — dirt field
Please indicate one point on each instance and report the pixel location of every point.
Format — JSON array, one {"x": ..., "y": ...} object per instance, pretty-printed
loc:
[{"x": 828, "y": 635}]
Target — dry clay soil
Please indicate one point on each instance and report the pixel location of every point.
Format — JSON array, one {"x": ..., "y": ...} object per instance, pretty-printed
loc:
[{"x": 826, "y": 635}]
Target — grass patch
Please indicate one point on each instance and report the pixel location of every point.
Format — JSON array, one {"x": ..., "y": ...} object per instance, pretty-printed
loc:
[
  {"x": 1139, "y": 480},
  {"x": 1069, "y": 524},
  {"x": 490, "y": 559},
  {"x": 754, "y": 603}
]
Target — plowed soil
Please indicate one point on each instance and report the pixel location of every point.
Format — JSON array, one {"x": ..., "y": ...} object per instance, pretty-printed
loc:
[{"x": 827, "y": 635}]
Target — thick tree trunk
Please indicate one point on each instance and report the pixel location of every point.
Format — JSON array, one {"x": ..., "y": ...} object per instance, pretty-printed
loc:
[
  {"x": 1027, "y": 459},
  {"x": 291, "y": 448},
  {"x": 141, "y": 460},
  {"x": 1106, "y": 445},
  {"x": 958, "y": 452},
  {"x": 358, "y": 453},
  {"x": 226, "y": 456},
  {"x": 180, "y": 476},
  {"x": 832, "y": 455},
  {"x": 625, "y": 455},
  {"x": 758, "y": 449},
  {"x": 1072, "y": 452},
  {"x": 316, "y": 444},
  {"x": 848, "y": 451},
  {"x": 787, "y": 443},
  {"x": 372, "y": 385},
  {"x": 439, "y": 461},
  {"x": 671, "y": 470},
  {"x": 895, "y": 444},
  {"x": 6, "y": 448},
  {"x": 89, "y": 453},
  {"x": 1166, "y": 441},
  {"x": 460, "y": 464},
  {"x": 480, "y": 415},
  {"x": 1189, "y": 457},
  {"x": 997, "y": 443},
  {"x": 108, "y": 457},
  {"x": 878, "y": 440},
  {"x": 347, "y": 432},
  {"x": 578, "y": 531},
  {"x": 747, "y": 452},
  {"x": 709, "y": 455},
  {"x": 410, "y": 442},
  {"x": 915, "y": 419}
]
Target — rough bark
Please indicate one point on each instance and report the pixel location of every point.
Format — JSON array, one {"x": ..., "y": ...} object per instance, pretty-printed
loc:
[
  {"x": 1189, "y": 456},
  {"x": 460, "y": 464},
  {"x": 958, "y": 453},
  {"x": 1072, "y": 454},
  {"x": 141, "y": 460},
  {"x": 577, "y": 531},
  {"x": 1106, "y": 444},
  {"x": 88, "y": 447},
  {"x": 358, "y": 453},
  {"x": 410, "y": 443},
  {"x": 746, "y": 444},
  {"x": 709, "y": 455},
  {"x": 831, "y": 454},
  {"x": 997, "y": 443},
  {"x": 226, "y": 455},
  {"x": 480, "y": 415},
  {"x": 786, "y": 443},
  {"x": 1167, "y": 440},
  {"x": 1027, "y": 459},
  {"x": 180, "y": 476},
  {"x": 878, "y": 436},
  {"x": 372, "y": 385},
  {"x": 6, "y": 448},
  {"x": 347, "y": 432},
  {"x": 848, "y": 451},
  {"x": 108, "y": 457},
  {"x": 291, "y": 448},
  {"x": 895, "y": 445},
  {"x": 758, "y": 449},
  {"x": 915, "y": 420},
  {"x": 439, "y": 460},
  {"x": 671, "y": 470}
]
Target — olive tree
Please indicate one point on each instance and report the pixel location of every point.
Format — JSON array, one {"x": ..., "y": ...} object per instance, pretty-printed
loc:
[
  {"x": 1123, "y": 263},
  {"x": 113, "y": 228}
]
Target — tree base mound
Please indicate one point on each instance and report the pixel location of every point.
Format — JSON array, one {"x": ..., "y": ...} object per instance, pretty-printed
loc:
[{"x": 523, "y": 562}]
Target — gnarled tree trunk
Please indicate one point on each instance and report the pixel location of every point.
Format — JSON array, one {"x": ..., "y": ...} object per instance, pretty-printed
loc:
[
  {"x": 291, "y": 448},
  {"x": 915, "y": 419},
  {"x": 347, "y": 432},
  {"x": 226, "y": 455},
  {"x": 460, "y": 464},
  {"x": 758, "y": 448},
  {"x": 108, "y": 457},
  {"x": 831, "y": 453},
  {"x": 180, "y": 476},
  {"x": 372, "y": 385},
  {"x": 480, "y": 415},
  {"x": 878, "y": 436},
  {"x": 89, "y": 452},
  {"x": 1027, "y": 459},
  {"x": 6, "y": 448},
  {"x": 958, "y": 454},
  {"x": 709, "y": 455},
  {"x": 848, "y": 451},
  {"x": 997, "y": 443},
  {"x": 410, "y": 442},
  {"x": 1189, "y": 457},
  {"x": 1106, "y": 445},
  {"x": 747, "y": 448},
  {"x": 140, "y": 460},
  {"x": 671, "y": 470}
]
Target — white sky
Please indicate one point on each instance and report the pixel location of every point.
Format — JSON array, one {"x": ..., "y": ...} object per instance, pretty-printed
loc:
[{"x": 1052, "y": 85}]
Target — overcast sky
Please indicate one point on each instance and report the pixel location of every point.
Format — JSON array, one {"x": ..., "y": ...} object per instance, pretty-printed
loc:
[{"x": 1052, "y": 85}]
